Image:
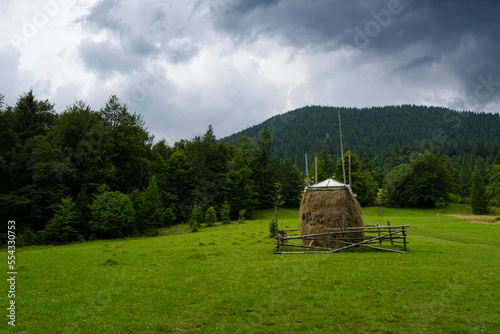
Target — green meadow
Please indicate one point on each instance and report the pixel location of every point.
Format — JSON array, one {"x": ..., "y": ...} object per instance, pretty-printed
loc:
[{"x": 226, "y": 279}]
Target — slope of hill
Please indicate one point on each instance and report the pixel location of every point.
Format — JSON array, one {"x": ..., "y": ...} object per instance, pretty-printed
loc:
[{"x": 381, "y": 131}]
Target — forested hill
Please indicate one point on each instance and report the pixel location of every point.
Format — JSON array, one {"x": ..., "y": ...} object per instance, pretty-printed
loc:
[{"x": 380, "y": 131}]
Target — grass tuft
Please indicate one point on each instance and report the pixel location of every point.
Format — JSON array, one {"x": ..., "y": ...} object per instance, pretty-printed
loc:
[{"x": 110, "y": 262}]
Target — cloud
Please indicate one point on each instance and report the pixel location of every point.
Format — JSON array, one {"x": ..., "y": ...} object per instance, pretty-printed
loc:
[
  {"x": 15, "y": 80},
  {"x": 418, "y": 62},
  {"x": 184, "y": 64},
  {"x": 464, "y": 33}
]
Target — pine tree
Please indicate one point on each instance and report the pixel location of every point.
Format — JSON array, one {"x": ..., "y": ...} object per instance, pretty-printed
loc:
[
  {"x": 151, "y": 212},
  {"x": 265, "y": 168},
  {"x": 325, "y": 165},
  {"x": 224, "y": 214},
  {"x": 63, "y": 226},
  {"x": 478, "y": 198},
  {"x": 210, "y": 216},
  {"x": 291, "y": 184},
  {"x": 196, "y": 218}
]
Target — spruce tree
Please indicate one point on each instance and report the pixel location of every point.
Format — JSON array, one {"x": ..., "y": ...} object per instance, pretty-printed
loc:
[
  {"x": 224, "y": 214},
  {"x": 265, "y": 168},
  {"x": 478, "y": 198},
  {"x": 325, "y": 165},
  {"x": 210, "y": 216}
]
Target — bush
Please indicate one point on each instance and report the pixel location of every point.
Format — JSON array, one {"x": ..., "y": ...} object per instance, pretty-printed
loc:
[
  {"x": 241, "y": 216},
  {"x": 423, "y": 182},
  {"x": 210, "y": 216},
  {"x": 224, "y": 214},
  {"x": 27, "y": 238},
  {"x": 272, "y": 229},
  {"x": 62, "y": 227},
  {"x": 196, "y": 218},
  {"x": 150, "y": 211},
  {"x": 113, "y": 215}
]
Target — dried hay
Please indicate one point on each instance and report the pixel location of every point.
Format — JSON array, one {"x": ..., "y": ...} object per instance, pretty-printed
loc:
[
  {"x": 322, "y": 209},
  {"x": 476, "y": 219}
]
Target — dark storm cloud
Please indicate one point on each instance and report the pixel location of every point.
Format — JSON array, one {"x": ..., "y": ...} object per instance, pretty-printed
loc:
[
  {"x": 418, "y": 62},
  {"x": 463, "y": 33},
  {"x": 104, "y": 58},
  {"x": 153, "y": 31}
]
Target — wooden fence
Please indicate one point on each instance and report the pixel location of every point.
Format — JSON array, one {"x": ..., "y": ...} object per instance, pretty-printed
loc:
[{"x": 373, "y": 234}]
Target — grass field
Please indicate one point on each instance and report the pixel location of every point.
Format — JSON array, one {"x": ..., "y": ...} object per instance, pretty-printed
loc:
[{"x": 226, "y": 279}]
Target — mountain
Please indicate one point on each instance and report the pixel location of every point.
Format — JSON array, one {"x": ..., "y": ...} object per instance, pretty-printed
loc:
[{"x": 380, "y": 131}]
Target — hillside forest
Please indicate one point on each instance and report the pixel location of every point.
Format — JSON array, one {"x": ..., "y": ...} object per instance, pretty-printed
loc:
[{"x": 85, "y": 174}]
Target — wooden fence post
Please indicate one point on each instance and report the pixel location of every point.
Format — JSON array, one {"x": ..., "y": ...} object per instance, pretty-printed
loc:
[
  {"x": 389, "y": 224},
  {"x": 345, "y": 224}
]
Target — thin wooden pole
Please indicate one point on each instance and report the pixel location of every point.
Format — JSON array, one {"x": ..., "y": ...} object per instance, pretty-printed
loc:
[
  {"x": 277, "y": 229},
  {"x": 276, "y": 217},
  {"x": 389, "y": 224},
  {"x": 350, "y": 182},
  {"x": 341, "y": 147},
  {"x": 307, "y": 171},
  {"x": 316, "y": 169},
  {"x": 345, "y": 223}
]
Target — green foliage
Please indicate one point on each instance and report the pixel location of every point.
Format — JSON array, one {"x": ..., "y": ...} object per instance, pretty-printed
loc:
[
  {"x": 113, "y": 215},
  {"x": 224, "y": 214},
  {"x": 63, "y": 227},
  {"x": 478, "y": 197},
  {"x": 47, "y": 156},
  {"x": 210, "y": 216},
  {"x": 241, "y": 216},
  {"x": 272, "y": 228},
  {"x": 325, "y": 165},
  {"x": 422, "y": 183},
  {"x": 493, "y": 188},
  {"x": 291, "y": 184},
  {"x": 28, "y": 238},
  {"x": 150, "y": 210},
  {"x": 383, "y": 132},
  {"x": 265, "y": 168},
  {"x": 238, "y": 183},
  {"x": 129, "y": 148},
  {"x": 363, "y": 184},
  {"x": 196, "y": 218}
]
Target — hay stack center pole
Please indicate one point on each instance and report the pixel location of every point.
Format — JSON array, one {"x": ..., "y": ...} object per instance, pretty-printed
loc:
[
  {"x": 315, "y": 169},
  {"x": 341, "y": 147},
  {"x": 350, "y": 182},
  {"x": 307, "y": 171}
]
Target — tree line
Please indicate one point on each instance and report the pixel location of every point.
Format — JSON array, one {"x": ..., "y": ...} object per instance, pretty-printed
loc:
[
  {"x": 395, "y": 143},
  {"x": 89, "y": 174},
  {"x": 421, "y": 179}
]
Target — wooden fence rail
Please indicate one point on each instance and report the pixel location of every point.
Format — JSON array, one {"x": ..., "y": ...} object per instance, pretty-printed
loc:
[{"x": 392, "y": 234}]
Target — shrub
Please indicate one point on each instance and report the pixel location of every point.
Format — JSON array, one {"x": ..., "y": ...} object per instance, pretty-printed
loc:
[
  {"x": 113, "y": 215},
  {"x": 210, "y": 216},
  {"x": 224, "y": 214},
  {"x": 422, "y": 183},
  {"x": 150, "y": 211},
  {"x": 62, "y": 227},
  {"x": 196, "y": 218},
  {"x": 27, "y": 238},
  {"x": 241, "y": 216},
  {"x": 272, "y": 228}
]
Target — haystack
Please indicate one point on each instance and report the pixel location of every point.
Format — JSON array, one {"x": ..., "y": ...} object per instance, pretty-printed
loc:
[{"x": 321, "y": 208}]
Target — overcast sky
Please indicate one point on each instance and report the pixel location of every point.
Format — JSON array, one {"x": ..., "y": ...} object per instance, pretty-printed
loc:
[{"x": 185, "y": 64}]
